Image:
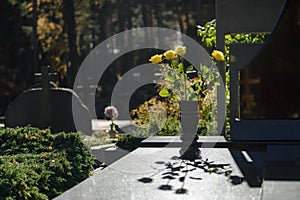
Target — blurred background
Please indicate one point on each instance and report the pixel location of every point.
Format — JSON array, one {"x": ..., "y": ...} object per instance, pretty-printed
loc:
[{"x": 60, "y": 33}]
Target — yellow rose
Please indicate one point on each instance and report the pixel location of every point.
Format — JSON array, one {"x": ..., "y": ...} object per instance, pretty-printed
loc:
[
  {"x": 218, "y": 55},
  {"x": 170, "y": 54},
  {"x": 156, "y": 59},
  {"x": 180, "y": 50},
  {"x": 52, "y": 25}
]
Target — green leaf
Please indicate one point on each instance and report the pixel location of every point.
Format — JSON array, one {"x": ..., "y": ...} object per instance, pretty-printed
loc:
[
  {"x": 203, "y": 69},
  {"x": 190, "y": 68},
  {"x": 180, "y": 68},
  {"x": 174, "y": 63},
  {"x": 164, "y": 93},
  {"x": 175, "y": 96},
  {"x": 195, "y": 98},
  {"x": 183, "y": 76},
  {"x": 216, "y": 84}
]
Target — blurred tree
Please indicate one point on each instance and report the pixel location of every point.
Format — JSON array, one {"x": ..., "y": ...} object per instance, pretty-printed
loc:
[
  {"x": 67, "y": 30},
  {"x": 52, "y": 37},
  {"x": 15, "y": 49},
  {"x": 69, "y": 22}
]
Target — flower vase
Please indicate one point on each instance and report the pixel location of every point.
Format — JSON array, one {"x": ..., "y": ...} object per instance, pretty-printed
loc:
[{"x": 189, "y": 119}]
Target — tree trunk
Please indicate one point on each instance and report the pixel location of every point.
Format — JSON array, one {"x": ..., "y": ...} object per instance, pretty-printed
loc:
[
  {"x": 69, "y": 19},
  {"x": 121, "y": 15}
]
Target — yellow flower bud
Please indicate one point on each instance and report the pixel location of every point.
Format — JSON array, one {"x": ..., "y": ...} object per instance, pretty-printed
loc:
[
  {"x": 218, "y": 55},
  {"x": 156, "y": 59},
  {"x": 180, "y": 50},
  {"x": 170, "y": 54},
  {"x": 50, "y": 148},
  {"x": 52, "y": 25}
]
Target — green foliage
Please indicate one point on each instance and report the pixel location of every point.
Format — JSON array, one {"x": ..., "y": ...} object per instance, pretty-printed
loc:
[
  {"x": 180, "y": 80},
  {"x": 153, "y": 117},
  {"x": 164, "y": 93},
  {"x": 207, "y": 34},
  {"x": 171, "y": 127},
  {"x": 129, "y": 142},
  {"x": 169, "y": 124},
  {"x": 31, "y": 176},
  {"x": 158, "y": 116},
  {"x": 35, "y": 164},
  {"x": 132, "y": 140},
  {"x": 203, "y": 86}
]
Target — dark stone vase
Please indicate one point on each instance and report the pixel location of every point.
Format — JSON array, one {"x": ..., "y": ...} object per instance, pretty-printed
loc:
[{"x": 189, "y": 119}]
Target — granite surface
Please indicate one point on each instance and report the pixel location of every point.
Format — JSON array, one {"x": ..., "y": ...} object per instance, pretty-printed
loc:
[{"x": 157, "y": 173}]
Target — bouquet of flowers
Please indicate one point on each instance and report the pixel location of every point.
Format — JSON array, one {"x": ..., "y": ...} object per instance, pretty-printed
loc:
[{"x": 185, "y": 82}]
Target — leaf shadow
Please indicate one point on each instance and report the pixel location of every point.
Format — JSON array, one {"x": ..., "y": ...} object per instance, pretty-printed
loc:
[
  {"x": 145, "y": 180},
  {"x": 179, "y": 169}
]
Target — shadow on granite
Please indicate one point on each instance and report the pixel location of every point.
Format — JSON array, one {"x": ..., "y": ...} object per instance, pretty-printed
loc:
[
  {"x": 277, "y": 162},
  {"x": 158, "y": 173},
  {"x": 179, "y": 170},
  {"x": 251, "y": 164}
]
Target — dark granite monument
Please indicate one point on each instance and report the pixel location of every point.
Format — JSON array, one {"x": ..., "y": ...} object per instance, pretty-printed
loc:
[{"x": 47, "y": 106}]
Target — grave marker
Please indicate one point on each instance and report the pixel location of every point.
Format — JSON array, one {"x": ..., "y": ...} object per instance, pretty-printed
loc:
[{"x": 47, "y": 106}]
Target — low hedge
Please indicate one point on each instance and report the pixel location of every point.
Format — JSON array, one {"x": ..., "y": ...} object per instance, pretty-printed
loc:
[
  {"x": 36, "y": 164},
  {"x": 129, "y": 142}
]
